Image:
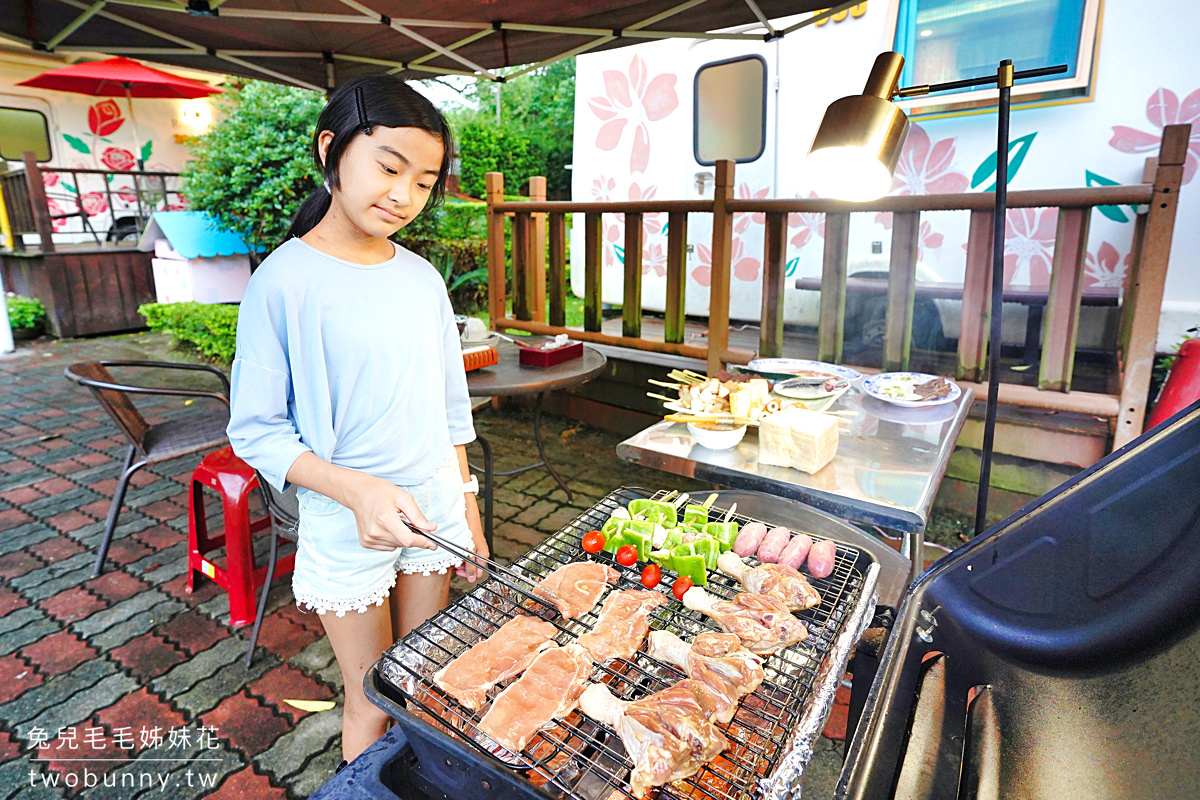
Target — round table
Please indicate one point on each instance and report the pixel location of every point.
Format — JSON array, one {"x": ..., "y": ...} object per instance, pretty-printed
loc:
[{"x": 510, "y": 378}]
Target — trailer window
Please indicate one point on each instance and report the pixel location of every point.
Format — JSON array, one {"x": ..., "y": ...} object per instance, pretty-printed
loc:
[
  {"x": 730, "y": 110},
  {"x": 21, "y": 130}
]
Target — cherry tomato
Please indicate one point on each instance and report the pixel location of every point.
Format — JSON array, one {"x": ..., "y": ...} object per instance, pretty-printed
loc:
[
  {"x": 627, "y": 555},
  {"x": 681, "y": 586},
  {"x": 651, "y": 575},
  {"x": 593, "y": 541}
]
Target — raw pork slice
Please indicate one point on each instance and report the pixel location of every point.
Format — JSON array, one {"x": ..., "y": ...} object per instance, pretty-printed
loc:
[
  {"x": 576, "y": 588},
  {"x": 778, "y": 580},
  {"x": 622, "y": 626},
  {"x": 548, "y": 690},
  {"x": 505, "y": 653},
  {"x": 763, "y": 623},
  {"x": 716, "y": 661}
]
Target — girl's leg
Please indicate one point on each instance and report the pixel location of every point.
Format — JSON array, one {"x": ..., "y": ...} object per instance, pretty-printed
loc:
[
  {"x": 358, "y": 640},
  {"x": 416, "y": 598}
]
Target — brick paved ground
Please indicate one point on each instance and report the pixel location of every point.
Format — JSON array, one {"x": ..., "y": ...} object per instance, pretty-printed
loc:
[{"x": 108, "y": 657}]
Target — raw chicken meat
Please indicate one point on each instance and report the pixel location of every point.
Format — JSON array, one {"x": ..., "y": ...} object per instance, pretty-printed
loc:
[
  {"x": 717, "y": 661},
  {"x": 749, "y": 539},
  {"x": 763, "y": 623},
  {"x": 505, "y": 653},
  {"x": 548, "y": 690},
  {"x": 668, "y": 735},
  {"x": 773, "y": 544},
  {"x": 576, "y": 588},
  {"x": 797, "y": 550},
  {"x": 821, "y": 558},
  {"x": 622, "y": 625},
  {"x": 777, "y": 580}
]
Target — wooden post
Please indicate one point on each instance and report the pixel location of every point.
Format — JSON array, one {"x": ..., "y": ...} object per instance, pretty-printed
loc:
[
  {"x": 631, "y": 297},
  {"x": 902, "y": 285},
  {"x": 1147, "y": 276},
  {"x": 976, "y": 299},
  {"x": 38, "y": 202},
  {"x": 497, "y": 305},
  {"x": 1060, "y": 327},
  {"x": 722, "y": 247},
  {"x": 558, "y": 270},
  {"x": 676, "y": 276},
  {"x": 770, "y": 338},
  {"x": 522, "y": 257},
  {"x": 537, "y": 249},
  {"x": 831, "y": 325},
  {"x": 593, "y": 246}
]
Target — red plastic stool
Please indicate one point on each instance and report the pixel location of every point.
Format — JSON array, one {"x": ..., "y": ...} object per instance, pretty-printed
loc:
[{"x": 234, "y": 480}]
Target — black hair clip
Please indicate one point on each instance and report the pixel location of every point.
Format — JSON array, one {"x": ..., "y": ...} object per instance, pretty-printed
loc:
[{"x": 361, "y": 104}]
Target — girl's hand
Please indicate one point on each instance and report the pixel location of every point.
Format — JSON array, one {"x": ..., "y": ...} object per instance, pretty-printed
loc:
[
  {"x": 377, "y": 506},
  {"x": 472, "y": 571}
]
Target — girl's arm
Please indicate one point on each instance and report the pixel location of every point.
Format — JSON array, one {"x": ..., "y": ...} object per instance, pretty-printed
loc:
[
  {"x": 468, "y": 570},
  {"x": 375, "y": 502}
]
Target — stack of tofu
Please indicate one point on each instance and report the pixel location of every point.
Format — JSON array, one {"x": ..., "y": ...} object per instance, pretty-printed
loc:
[{"x": 797, "y": 438}]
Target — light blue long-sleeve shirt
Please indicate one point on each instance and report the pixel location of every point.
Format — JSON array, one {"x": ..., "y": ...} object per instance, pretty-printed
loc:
[{"x": 359, "y": 364}]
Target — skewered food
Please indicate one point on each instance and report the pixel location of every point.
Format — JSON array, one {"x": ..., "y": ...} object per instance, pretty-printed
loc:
[
  {"x": 773, "y": 545},
  {"x": 749, "y": 539},
  {"x": 575, "y": 588},
  {"x": 777, "y": 580},
  {"x": 716, "y": 660},
  {"x": 797, "y": 438},
  {"x": 505, "y": 653},
  {"x": 797, "y": 551},
  {"x": 821, "y": 558},
  {"x": 622, "y": 626},
  {"x": 764, "y": 624},
  {"x": 668, "y": 735},
  {"x": 548, "y": 690}
]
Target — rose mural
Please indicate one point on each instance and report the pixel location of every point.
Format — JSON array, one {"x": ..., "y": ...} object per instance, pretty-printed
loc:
[
  {"x": 118, "y": 159},
  {"x": 104, "y": 118},
  {"x": 93, "y": 203}
]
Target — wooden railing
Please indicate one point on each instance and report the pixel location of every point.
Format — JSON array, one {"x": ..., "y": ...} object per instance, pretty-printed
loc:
[
  {"x": 534, "y": 276},
  {"x": 28, "y": 208}
]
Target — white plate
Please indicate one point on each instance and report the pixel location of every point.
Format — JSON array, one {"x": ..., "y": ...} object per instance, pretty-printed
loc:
[
  {"x": 810, "y": 392},
  {"x": 878, "y": 386},
  {"x": 795, "y": 365}
]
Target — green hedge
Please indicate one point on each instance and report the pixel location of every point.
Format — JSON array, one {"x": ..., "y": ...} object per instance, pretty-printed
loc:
[
  {"x": 24, "y": 312},
  {"x": 211, "y": 329}
]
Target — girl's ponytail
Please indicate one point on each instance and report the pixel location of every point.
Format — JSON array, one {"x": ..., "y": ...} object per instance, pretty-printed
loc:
[{"x": 311, "y": 211}]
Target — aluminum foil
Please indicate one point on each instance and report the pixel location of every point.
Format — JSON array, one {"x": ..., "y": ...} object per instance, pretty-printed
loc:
[{"x": 784, "y": 784}]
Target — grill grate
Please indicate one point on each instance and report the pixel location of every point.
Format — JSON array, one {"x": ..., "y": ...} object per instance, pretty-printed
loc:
[{"x": 577, "y": 757}]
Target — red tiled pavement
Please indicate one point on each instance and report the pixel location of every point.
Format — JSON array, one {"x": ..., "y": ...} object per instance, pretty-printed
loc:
[
  {"x": 115, "y": 585},
  {"x": 309, "y": 619},
  {"x": 12, "y": 517},
  {"x": 14, "y": 565},
  {"x": 285, "y": 683},
  {"x": 247, "y": 725},
  {"x": 248, "y": 785},
  {"x": 160, "y": 537},
  {"x": 126, "y": 550},
  {"x": 193, "y": 631},
  {"x": 70, "y": 521},
  {"x": 147, "y": 656},
  {"x": 56, "y": 548},
  {"x": 283, "y": 637},
  {"x": 15, "y": 677},
  {"x": 10, "y": 600},
  {"x": 138, "y": 710},
  {"x": 22, "y": 495},
  {"x": 58, "y": 653},
  {"x": 92, "y": 742},
  {"x": 205, "y": 589},
  {"x": 164, "y": 510},
  {"x": 56, "y": 485},
  {"x": 72, "y": 605}
]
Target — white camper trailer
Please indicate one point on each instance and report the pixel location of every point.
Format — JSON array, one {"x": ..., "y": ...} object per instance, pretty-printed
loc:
[{"x": 650, "y": 120}]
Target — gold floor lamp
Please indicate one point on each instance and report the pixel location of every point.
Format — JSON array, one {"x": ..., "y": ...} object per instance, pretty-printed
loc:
[{"x": 854, "y": 155}]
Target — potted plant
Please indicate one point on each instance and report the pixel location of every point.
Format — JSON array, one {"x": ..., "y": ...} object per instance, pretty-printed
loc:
[{"x": 26, "y": 317}]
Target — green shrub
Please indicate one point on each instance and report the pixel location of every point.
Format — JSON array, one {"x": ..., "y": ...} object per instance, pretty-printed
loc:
[
  {"x": 210, "y": 329},
  {"x": 25, "y": 312},
  {"x": 454, "y": 239}
]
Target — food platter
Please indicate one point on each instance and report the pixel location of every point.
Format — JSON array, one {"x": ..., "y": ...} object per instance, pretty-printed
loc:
[
  {"x": 781, "y": 369},
  {"x": 897, "y": 388}
]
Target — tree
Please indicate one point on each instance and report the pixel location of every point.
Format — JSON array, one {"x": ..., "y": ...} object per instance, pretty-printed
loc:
[{"x": 254, "y": 167}]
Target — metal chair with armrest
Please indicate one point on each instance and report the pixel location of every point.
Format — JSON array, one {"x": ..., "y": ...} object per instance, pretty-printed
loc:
[{"x": 150, "y": 444}]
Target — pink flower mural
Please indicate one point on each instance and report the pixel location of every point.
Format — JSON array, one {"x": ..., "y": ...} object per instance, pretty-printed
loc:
[
  {"x": 654, "y": 259},
  {"x": 1104, "y": 268},
  {"x": 742, "y": 221},
  {"x": 745, "y": 268},
  {"x": 1163, "y": 109},
  {"x": 807, "y": 223},
  {"x": 602, "y": 188},
  {"x": 118, "y": 159},
  {"x": 636, "y": 98},
  {"x": 55, "y": 209},
  {"x": 927, "y": 167},
  {"x": 1029, "y": 246},
  {"x": 105, "y": 118},
  {"x": 49, "y": 179},
  {"x": 93, "y": 203}
]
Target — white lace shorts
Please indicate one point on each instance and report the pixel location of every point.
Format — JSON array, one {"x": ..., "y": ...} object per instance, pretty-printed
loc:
[{"x": 333, "y": 572}]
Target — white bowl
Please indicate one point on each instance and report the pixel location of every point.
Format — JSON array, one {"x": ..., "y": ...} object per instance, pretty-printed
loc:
[{"x": 724, "y": 437}]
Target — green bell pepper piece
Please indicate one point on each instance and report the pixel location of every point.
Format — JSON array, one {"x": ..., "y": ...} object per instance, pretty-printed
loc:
[
  {"x": 687, "y": 562},
  {"x": 662, "y": 558},
  {"x": 723, "y": 532},
  {"x": 695, "y": 516},
  {"x": 654, "y": 511},
  {"x": 640, "y": 533},
  {"x": 709, "y": 548},
  {"x": 674, "y": 537},
  {"x": 614, "y": 533}
]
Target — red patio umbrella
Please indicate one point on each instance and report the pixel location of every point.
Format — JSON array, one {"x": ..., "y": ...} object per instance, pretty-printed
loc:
[{"x": 114, "y": 77}]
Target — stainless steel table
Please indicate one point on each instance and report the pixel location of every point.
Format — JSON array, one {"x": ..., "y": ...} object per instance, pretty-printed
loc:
[
  {"x": 510, "y": 378},
  {"x": 889, "y": 463}
]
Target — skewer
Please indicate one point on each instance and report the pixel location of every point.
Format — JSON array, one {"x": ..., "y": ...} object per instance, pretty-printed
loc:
[
  {"x": 729, "y": 514},
  {"x": 708, "y": 501},
  {"x": 662, "y": 397},
  {"x": 695, "y": 375},
  {"x": 682, "y": 500},
  {"x": 664, "y": 384}
]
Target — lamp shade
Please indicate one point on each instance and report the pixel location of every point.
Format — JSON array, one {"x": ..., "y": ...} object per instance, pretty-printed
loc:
[{"x": 858, "y": 144}]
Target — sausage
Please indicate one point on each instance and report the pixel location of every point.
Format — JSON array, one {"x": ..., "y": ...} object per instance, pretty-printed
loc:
[
  {"x": 796, "y": 551},
  {"x": 776, "y": 539},
  {"x": 821, "y": 557},
  {"x": 749, "y": 538}
]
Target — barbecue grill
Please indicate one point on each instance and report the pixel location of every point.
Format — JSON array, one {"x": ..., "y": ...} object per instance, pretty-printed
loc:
[
  {"x": 770, "y": 737},
  {"x": 1056, "y": 655}
]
